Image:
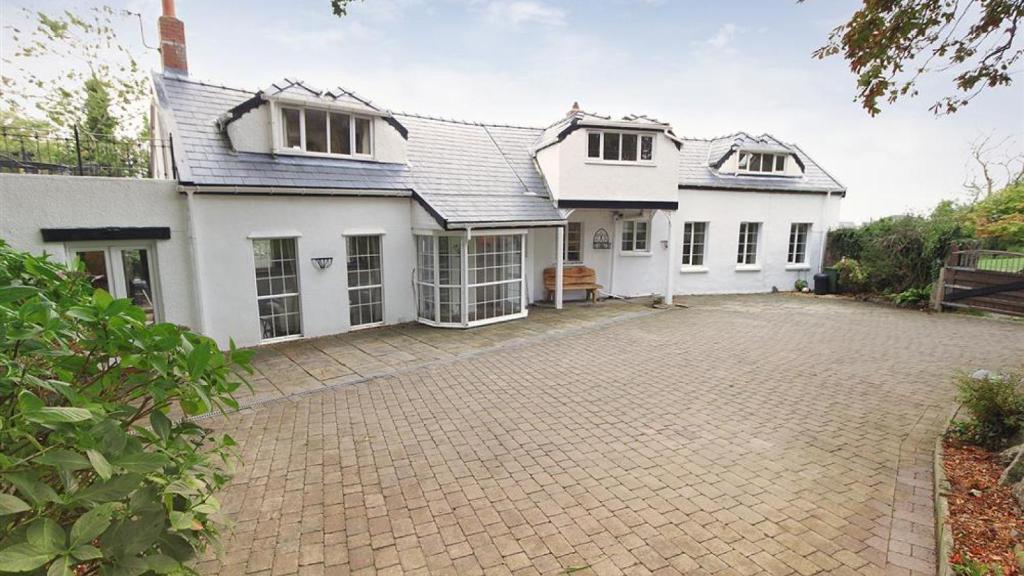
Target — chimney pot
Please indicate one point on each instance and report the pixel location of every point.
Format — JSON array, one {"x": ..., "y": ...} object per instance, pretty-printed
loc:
[{"x": 168, "y": 8}]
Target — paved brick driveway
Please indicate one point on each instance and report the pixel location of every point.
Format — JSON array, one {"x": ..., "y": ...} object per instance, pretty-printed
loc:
[{"x": 764, "y": 434}]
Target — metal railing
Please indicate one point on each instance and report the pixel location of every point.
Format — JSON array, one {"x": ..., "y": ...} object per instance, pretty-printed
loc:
[
  {"x": 988, "y": 260},
  {"x": 76, "y": 153}
]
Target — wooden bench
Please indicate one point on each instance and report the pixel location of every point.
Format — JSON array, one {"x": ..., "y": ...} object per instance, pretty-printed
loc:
[{"x": 573, "y": 278}]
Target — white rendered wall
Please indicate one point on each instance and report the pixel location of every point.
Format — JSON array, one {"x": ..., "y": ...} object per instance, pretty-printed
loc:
[
  {"x": 421, "y": 219},
  {"x": 251, "y": 132},
  {"x": 572, "y": 176},
  {"x": 724, "y": 210},
  {"x": 29, "y": 203},
  {"x": 228, "y": 225}
]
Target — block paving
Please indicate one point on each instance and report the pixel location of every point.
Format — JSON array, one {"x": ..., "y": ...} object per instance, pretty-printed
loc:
[{"x": 770, "y": 434}]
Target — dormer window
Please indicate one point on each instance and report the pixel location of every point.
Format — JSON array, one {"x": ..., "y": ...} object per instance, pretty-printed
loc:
[
  {"x": 609, "y": 146},
  {"x": 323, "y": 132},
  {"x": 762, "y": 163}
]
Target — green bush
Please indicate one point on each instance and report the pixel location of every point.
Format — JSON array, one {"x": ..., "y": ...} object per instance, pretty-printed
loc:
[
  {"x": 996, "y": 405},
  {"x": 95, "y": 476},
  {"x": 898, "y": 253},
  {"x": 852, "y": 276}
]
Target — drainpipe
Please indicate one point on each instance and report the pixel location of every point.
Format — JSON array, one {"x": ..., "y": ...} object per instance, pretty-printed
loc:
[
  {"x": 614, "y": 240},
  {"x": 669, "y": 275},
  {"x": 464, "y": 273},
  {"x": 559, "y": 265},
  {"x": 824, "y": 233},
  {"x": 193, "y": 241}
]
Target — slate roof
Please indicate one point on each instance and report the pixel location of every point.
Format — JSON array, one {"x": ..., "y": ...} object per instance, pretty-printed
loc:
[
  {"x": 467, "y": 173},
  {"x": 557, "y": 131},
  {"x": 208, "y": 159},
  {"x": 473, "y": 173},
  {"x": 699, "y": 161}
]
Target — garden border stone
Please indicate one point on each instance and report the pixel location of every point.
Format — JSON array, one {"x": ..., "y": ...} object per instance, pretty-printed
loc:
[{"x": 940, "y": 489}]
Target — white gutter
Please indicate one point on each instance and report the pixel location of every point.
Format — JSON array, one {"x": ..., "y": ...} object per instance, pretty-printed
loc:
[
  {"x": 528, "y": 224},
  {"x": 193, "y": 240},
  {"x": 302, "y": 191}
]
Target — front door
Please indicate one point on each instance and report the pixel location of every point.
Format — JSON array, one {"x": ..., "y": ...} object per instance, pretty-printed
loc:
[{"x": 124, "y": 271}]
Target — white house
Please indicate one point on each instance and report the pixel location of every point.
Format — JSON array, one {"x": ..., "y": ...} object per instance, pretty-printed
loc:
[{"x": 293, "y": 212}]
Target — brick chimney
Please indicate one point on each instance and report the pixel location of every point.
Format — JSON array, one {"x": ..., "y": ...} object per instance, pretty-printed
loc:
[{"x": 172, "y": 41}]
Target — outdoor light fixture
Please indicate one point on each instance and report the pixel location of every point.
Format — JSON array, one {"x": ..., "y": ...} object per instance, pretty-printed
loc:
[{"x": 323, "y": 262}]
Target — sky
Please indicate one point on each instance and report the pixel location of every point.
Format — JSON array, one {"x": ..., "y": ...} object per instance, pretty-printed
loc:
[{"x": 709, "y": 68}]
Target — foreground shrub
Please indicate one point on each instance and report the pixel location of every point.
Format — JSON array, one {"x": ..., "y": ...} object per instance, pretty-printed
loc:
[
  {"x": 996, "y": 405},
  {"x": 95, "y": 476},
  {"x": 912, "y": 296}
]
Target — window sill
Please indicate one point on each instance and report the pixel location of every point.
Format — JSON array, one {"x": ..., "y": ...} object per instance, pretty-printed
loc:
[
  {"x": 647, "y": 163},
  {"x": 693, "y": 269},
  {"x": 282, "y": 151},
  {"x": 748, "y": 267},
  {"x": 634, "y": 254},
  {"x": 796, "y": 267}
]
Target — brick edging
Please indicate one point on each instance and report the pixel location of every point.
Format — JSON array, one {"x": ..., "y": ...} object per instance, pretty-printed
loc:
[{"x": 943, "y": 531}]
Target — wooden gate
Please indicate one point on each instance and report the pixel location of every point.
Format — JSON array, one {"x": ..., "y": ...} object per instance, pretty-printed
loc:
[{"x": 987, "y": 280}]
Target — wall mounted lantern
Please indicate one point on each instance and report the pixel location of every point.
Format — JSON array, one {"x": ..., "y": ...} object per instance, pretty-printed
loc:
[{"x": 323, "y": 262}]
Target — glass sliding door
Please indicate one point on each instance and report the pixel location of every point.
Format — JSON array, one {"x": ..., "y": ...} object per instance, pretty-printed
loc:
[
  {"x": 277, "y": 288},
  {"x": 125, "y": 271},
  {"x": 365, "y": 283},
  {"x": 137, "y": 282}
]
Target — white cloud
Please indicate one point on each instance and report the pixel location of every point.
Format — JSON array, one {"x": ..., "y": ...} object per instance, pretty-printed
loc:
[
  {"x": 517, "y": 12},
  {"x": 722, "y": 39}
]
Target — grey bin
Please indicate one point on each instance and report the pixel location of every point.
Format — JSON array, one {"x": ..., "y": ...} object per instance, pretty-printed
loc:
[{"x": 833, "y": 279}]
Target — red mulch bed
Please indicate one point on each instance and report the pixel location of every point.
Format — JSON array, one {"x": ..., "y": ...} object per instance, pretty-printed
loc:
[{"x": 988, "y": 525}]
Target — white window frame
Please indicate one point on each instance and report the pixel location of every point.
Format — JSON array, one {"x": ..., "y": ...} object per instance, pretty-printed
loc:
[
  {"x": 297, "y": 294},
  {"x": 774, "y": 156},
  {"x": 799, "y": 234},
  {"x": 349, "y": 238},
  {"x": 464, "y": 284},
  {"x": 280, "y": 143},
  {"x": 112, "y": 254},
  {"x": 688, "y": 236},
  {"x": 565, "y": 246},
  {"x": 745, "y": 248},
  {"x": 639, "y": 147},
  {"x": 622, "y": 236}
]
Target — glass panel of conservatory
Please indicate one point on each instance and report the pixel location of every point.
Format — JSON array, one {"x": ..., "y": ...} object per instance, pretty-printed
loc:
[
  {"x": 495, "y": 276},
  {"x": 425, "y": 304},
  {"x": 451, "y": 305}
]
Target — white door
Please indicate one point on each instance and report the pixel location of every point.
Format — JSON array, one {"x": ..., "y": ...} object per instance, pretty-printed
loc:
[{"x": 125, "y": 271}]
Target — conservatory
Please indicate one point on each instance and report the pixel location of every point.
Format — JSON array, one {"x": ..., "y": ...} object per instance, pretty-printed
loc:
[{"x": 467, "y": 280}]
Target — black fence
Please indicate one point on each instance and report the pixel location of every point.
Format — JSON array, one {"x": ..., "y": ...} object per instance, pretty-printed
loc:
[{"x": 76, "y": 153}]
